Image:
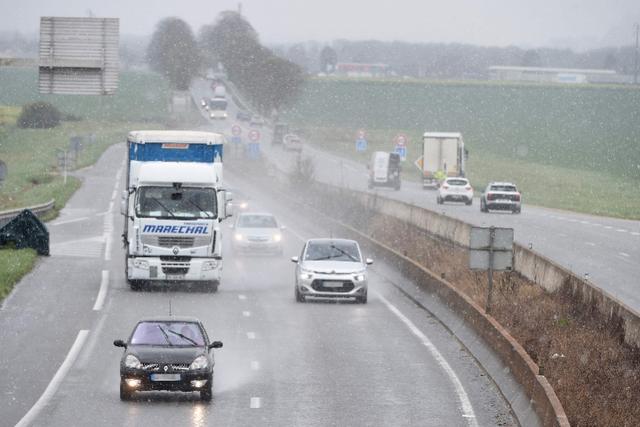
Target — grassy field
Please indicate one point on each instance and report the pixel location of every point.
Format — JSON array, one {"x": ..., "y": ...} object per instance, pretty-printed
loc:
[
  {"x": 14, "y": 264},
  {"x": 571, "y": 147}
]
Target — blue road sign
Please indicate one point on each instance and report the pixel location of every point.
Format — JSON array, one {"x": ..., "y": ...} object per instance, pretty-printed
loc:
[
  {"x": 236, "y": 139},
  {"x": 253, "y": 150},
  {"x": 402, "y": 151},
  {"x": 361, "y": 144}
]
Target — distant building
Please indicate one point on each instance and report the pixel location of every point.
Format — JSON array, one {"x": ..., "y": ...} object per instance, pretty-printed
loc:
[
  {"x": 357, "y": 69},
  {"x": 556, "y": 75}
]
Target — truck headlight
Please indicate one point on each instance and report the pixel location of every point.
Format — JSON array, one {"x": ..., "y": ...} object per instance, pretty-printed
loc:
[
  {"x": 132, "y": 362},
  {"x": 141, "y": 264},
  {"x": 210, "y": 265},
  {"x": 199, "y": 362},
  {"x": 238, "y": 237}
]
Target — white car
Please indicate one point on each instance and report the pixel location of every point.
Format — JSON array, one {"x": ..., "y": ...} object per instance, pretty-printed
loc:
[
  {"x": 331, "y": 268},
  {"x": 257, "y": 121},
  {"x": 258, "y": 233},
  {"x": 455, "y": 190},
  {"x": 501, "y": 196}
]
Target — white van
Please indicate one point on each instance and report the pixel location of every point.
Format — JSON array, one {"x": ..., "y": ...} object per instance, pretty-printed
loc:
[{"x": 384, "y": 170}]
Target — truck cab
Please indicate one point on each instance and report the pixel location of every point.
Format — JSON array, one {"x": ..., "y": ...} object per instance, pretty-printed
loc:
[{"x": 173, "y": 205}]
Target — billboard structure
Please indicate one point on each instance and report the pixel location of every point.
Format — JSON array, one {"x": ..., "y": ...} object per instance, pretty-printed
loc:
[{"x": 78, "y": 56}]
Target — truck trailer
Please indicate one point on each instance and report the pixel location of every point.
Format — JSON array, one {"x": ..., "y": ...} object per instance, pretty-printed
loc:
[
  {"x": 443, "y": 155},
  {"x": 173, "y": 205}
]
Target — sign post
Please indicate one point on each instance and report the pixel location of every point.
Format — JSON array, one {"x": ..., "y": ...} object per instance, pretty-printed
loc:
[
  {"x": 236, "y": 138},
  {"x": 254, "y": 145},
  {"x": 400, "y": 142},
  {"x": 361, "y": 141},
  {"x": 491, "y": 249}
]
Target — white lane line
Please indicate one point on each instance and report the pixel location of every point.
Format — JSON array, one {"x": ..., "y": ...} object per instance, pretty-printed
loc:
[
  {"x": 107, "y": 246},
  {"x": 624, "y": 254},
  {"x": 589, "y": 243},
  {"x": 114, "y": 194},
  {"x": 251, "y": 335},
  {"x": 242, "y": 297},
  {"x": 246, "y": 313},
  {"x": 102, "y": 293},
  {"x": 608, "y": 227},
  {"x": 110, "y": 207},
  {"x": 585, "y": 222},
  {"x": 69, "y": 221},
  {"x": 621, "y": 230},
  {"x": 255, "y": 403},
  {"x": 255, "y": 365},
  {"x": 57, "y": 379},
  {"x": 633, "y": 233},
  {"x": 465, "y": 403}
]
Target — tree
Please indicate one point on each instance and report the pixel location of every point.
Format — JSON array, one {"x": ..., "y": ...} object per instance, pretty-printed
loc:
[
  {"x": 173, "y": 52},
  {"x": 531, "y": 58},
  {"x": 39, "y": 115},
  {"x": 328, "y": 59}
]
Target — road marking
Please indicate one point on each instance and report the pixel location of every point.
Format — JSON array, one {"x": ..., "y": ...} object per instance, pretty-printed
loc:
[
  {"x": 110, "y": 207},
  {"x": 102, "y": 293},
  {"x": 242, "y": 297},
  {"x": 255, "y": 403},
  {"x": 608, "y": 227},
  {"x": 621, "y": 230},
  {"x": 585, "y": 222},
  {"x": 69, "y": 221},
  {"x": 255, "y": 365},
  {"x": 83, "y": 248},
  {"x": 633, "y": 233},
  {"x": 465, "y": 403},
  {"x": 107, "y": 246},
  {"x": 246, "y": 313},
  {"x": 251, "y": 335},
  {"x": 624, "y": 254},
  {"x": 590, "y": 244},
  {"x": 114, "y": 194},
  {"x": 57, "y": 379}
]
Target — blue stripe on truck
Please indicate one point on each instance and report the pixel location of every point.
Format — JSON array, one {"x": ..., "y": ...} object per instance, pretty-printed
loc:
[{"x": 154, "y": 151}]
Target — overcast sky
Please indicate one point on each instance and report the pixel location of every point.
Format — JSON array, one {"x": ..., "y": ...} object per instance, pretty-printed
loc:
[{"x": 528, "y": 23}]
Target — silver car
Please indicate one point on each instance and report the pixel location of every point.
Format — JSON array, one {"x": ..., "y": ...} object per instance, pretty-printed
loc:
[
  {"x": 331, "y": 268},
  {"x": 258, "y": 233}
]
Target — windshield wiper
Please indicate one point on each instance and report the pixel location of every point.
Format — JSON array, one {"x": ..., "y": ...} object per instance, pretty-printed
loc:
[
  {"x": 166, "y": 336},
  {"x": 183, "y": 337},
  {"x": 169, "y": 211},
  {"x": 200, "y": 209},
  {"x": 345, "y": 253}
]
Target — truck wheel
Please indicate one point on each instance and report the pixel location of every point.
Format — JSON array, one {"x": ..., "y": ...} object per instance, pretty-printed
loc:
[{"x": 135, "y": 285}]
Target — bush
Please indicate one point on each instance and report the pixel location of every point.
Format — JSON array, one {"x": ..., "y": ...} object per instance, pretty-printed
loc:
[{"x": 39, "y": 115}]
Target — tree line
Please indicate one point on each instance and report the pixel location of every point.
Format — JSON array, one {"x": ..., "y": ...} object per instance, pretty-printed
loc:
[{"x": 267, "y": 80}]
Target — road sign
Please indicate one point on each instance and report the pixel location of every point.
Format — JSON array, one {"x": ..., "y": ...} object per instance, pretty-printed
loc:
[
  {"x": 254, "y": 135},
  {"x": 419, "y": 162},
  {"x": 361, "y": 144},
  {"x": 401, "y": 139},
  {"x": 236, "y": 130},
  {"x": 253, "y": 150},
  {"x": 361, "y": 134},
  {"x": 401, "y": 150},
  {"x": 236, "y": 139}
]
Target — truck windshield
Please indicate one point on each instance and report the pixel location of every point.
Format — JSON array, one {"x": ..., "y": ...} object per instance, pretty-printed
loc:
[
  {"x": 218, "y": 104},
  {"x": 169, "y": 202}
]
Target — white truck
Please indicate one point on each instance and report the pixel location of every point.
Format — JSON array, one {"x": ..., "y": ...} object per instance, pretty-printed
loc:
[
  {"x": 443, "y": 155},
  {"x": 173, "y": 205}
]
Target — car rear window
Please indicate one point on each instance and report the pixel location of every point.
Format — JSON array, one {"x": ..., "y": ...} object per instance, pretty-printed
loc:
[
  {"x": 506, "y": 188},
  {"x": 186, "y": 334},
  {"x": 257, "y": 221},
  {"x": 457, "y": 182}
]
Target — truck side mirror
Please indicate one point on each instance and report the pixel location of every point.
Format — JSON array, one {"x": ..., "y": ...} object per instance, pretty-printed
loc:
[
  {"x": 123, "y": 202},
  {"x": 228, "y": 207}
]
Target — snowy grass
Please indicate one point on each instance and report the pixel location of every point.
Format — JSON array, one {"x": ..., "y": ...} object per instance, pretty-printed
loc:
[{"x": 14, "y": 264}]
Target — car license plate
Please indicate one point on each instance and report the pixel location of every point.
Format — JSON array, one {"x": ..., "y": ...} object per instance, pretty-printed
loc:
[
  {"x": 165, "y": 377},
  {"x": 175, "y": 276},
  {"x": 328, "y": 284}
]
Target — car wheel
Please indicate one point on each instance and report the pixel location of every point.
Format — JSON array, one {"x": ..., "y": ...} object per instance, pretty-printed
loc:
[
  {"x": 469, "y": 202},
  {"x": 439, "y": 200},
  {"x": 206, "y": 394},
  {"x": 483, "y": 208},
  {"x": 362, "y": 299},
  {"x": 213, "y": 286},
  {"x": 397, "y": 186},
  {"x": 370, "y": 185},
  {"x": 516, "y": 211},
  {"x": 125, "y": 393},
  {"x": 299, "y": 296}
]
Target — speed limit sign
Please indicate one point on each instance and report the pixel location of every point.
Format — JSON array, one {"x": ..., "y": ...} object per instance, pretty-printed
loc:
[
  {"x": 236, "y": 130},
  {"x": 254, "y": 135}
]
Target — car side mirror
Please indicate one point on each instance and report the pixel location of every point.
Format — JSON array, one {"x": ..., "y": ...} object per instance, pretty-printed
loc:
[
  {"x": 368, "y": 261},
  {"x": 120, "y": 343},
  {"x": 215, "y": 344},
  {"x": 295, "y": 259}
]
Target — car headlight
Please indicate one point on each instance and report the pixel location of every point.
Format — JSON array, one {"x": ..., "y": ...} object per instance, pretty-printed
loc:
[
  {"x": 141, "y": 263},
  {"x": 305, "y": 275},
  {"x": 132, "y": 362},
  {"x": 277, "y": 237},
  {"x": 199, "y": 362},
  {"x": 238, "y": 237},
  {"x": 209, "y": 265},
  {"x": 359, "y": 277}
]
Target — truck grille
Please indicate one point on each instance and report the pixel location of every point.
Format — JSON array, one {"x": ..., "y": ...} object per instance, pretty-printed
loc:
[
  {"x": 171, "y": 241},
  {"x": 175, "y": 265}
]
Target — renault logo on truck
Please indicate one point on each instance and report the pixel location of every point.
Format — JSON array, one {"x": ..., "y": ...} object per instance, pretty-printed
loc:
[{"x": 176, "y": 250}]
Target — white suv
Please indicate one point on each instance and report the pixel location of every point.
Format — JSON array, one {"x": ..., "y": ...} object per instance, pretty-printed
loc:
[
  {"x": 501, "y": 196},
  {"x": 455, "y": 190}
]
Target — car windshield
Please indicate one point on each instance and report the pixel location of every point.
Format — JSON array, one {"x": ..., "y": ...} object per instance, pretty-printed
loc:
[
  {"x": 257, "y": 221},
  {"x": 457, "y": 182},
  {"x": 506, "y": 188},
  {"x": 168, "y": 334},
  {"x": 183, "y": 203},
  {"x": 335, "y": 251}
]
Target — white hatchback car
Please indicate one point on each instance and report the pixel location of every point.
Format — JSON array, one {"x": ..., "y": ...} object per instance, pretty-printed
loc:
[
  {"x": 257, "y": 233},
  {"x": 455, "y": 190}
]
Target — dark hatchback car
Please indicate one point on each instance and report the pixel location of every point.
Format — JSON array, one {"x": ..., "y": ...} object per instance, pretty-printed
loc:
[{"x": 167, "y": 353}]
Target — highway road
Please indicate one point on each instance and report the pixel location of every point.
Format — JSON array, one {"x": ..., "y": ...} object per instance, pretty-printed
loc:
[
  {"x": 283, "y": 363},
  {"x": 604, "y": 250}
]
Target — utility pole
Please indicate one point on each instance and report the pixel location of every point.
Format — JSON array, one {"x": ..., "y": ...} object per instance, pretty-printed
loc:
[{"x": 635, "y": 68}]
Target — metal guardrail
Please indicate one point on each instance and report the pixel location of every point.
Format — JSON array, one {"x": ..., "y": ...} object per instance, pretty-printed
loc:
[{"x": 38, "y": 210}]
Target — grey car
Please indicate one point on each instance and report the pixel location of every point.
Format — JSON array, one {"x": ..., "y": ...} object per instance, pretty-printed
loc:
[{"x": 331, "y": 268}]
